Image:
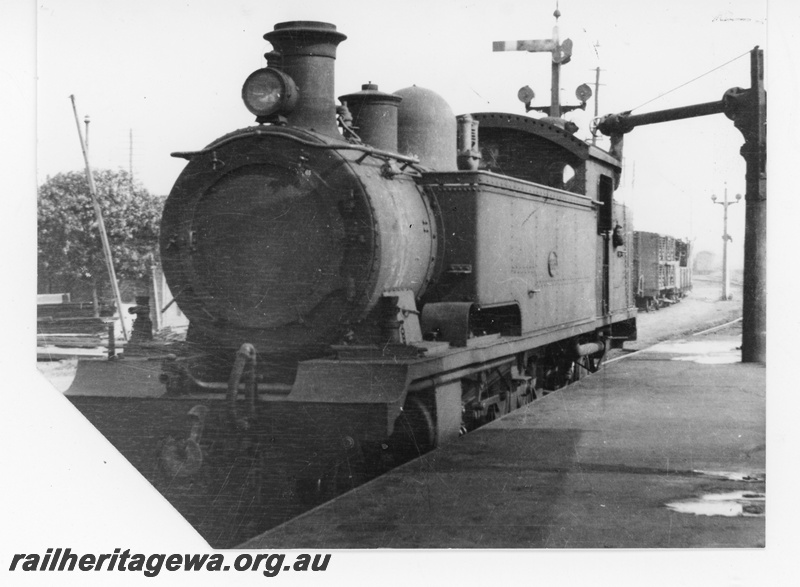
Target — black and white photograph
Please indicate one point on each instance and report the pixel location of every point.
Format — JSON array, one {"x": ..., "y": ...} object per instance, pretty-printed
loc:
[{"x": 391, "y": 293}]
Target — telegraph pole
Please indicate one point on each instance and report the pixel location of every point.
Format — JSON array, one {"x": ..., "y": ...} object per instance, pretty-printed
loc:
[
  {"x": 596, "y": 102},
  {"x": 130, "y": 161},
  {"x": 86, "y": 121},
  {"x": 726, "y": 276}
]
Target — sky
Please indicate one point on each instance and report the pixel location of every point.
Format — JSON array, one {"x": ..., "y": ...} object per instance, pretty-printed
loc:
[
  {"x": 157, "y": 77},
  {"x": 169, "y": 72}
]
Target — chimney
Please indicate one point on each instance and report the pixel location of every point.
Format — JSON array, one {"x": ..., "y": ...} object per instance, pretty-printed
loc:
[{"x": 307, "y": 52}]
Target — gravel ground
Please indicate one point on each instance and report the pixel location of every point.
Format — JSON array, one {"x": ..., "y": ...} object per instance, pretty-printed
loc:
[{"x": 701, "y": 309}]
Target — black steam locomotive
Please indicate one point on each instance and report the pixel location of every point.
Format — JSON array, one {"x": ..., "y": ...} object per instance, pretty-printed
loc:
[{"x": 365, "y": 282}]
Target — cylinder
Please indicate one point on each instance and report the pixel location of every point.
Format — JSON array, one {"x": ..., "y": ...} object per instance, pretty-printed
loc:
[
  {"x": 307, "y": 52},
  {"x": 426, "y": 128},
  {"x": 374, "y": 116}
]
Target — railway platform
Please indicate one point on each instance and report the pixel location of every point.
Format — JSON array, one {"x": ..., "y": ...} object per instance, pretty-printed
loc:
[{"x": 662, "y": 448}]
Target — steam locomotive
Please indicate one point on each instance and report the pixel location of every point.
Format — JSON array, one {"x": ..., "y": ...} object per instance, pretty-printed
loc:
[{"x": 365, "y": 282}]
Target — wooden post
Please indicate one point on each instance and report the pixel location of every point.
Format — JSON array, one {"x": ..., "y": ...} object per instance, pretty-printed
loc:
[
  {"x": 112, "y": 343},
  {"x": 157, "y": 301}
]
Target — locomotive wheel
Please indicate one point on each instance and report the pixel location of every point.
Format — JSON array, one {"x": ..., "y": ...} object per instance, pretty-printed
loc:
[
  {"x": 341, "y": 477},
  {"x": 587, "y": 365},
  {"x": 346, "y": 471},
  {"x": 493, "y": 414},
  {"x": 503, "y": 406},
  {"x": 595, "y": 361},
  {"x": 558, "y": 374},
  {"x": 527, "y": 395},
  {"x": 414, "y": 430},
  {"x": 579, "y": 369}
]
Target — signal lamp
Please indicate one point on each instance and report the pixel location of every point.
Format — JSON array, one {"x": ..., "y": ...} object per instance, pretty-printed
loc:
[
  {"x": 525, "y": 94},
  {"x": 269, "y": 91},
  {"x": 583, "y": 92}
]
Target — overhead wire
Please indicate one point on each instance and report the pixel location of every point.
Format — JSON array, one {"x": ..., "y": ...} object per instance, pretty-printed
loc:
[{"x": 691, "y": 80}]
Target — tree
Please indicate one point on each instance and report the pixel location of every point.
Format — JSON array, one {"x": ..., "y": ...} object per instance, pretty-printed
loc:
[{"x": 69, "y": 242}]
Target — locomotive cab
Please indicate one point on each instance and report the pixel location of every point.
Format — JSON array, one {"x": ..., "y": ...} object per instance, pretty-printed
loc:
[{"x": 528, "y": 233}]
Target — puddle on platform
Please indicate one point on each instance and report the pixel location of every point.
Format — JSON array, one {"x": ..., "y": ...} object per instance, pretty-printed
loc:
[
  {"x": 732, "y": 357},
  {"x": 732, "y": 504},
  {"x": 709, "y": 352},
  {"x": 749, "y": 477}
]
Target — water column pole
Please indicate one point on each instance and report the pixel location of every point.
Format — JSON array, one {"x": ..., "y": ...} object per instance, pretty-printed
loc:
[{"x": 752, "y": 122}]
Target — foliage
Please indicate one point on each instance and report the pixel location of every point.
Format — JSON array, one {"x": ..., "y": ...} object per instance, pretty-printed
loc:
[{"x": 69, "y": 241}]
